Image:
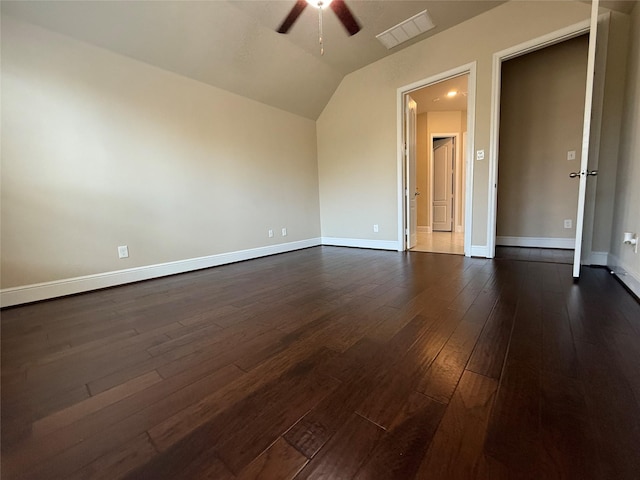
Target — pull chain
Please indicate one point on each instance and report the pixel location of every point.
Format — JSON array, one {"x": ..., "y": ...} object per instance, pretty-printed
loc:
[{"x": 320, "y": 28}]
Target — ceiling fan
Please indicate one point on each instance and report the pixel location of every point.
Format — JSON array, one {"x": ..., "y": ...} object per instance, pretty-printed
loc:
[{"x": 339, "y": 8}]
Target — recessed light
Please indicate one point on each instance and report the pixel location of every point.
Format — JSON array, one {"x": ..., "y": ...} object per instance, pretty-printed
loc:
[{"x": 452, "y": 93}]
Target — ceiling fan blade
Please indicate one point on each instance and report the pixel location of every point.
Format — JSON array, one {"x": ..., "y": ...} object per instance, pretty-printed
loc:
[
  {"x": 346, "y": 17},
  {"x": 293, "y": 16}
]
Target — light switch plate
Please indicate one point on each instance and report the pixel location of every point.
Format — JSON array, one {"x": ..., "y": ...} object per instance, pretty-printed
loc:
[{"x": 571, "y": 155}]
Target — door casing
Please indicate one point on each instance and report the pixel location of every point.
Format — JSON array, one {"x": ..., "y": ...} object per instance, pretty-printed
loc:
[{"x": 402, "y": 168}]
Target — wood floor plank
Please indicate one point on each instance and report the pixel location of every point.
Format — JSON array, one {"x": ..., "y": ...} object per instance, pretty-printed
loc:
[
  {"x": 458, "y": 445},
  {"x": 75, "y": 412},
  {"x": 399, "y": 453},
  {"x": 196, "y": 460},
  {"x": 514, "y": 435},
  {"x": 347, "y": 450},
  {"x": 616, "y": 423},
  {"x": 489, "y": 354},
  {"x": 397, "y": 380},
  {"x": 568, "y": 439},
  {"x": 237, "y": 394},
  {"x": 248, "y": 440},
  {"x": 317, "y": 427},
  {"x": 441, "y": 379},
  {"x": 119, "y": 462},
  {"x": 68, "y": 449},
  {"x": 279, "y": 462}
]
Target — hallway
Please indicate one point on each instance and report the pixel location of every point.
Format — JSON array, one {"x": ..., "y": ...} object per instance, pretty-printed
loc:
[{"x": 440, "y": 242}]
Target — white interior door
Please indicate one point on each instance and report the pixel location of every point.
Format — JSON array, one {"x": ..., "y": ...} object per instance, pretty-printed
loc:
[
  {"x": 411, "y": 118},
  {"x": 586, "y": 131},
  {"x": 442, "y": 207}
]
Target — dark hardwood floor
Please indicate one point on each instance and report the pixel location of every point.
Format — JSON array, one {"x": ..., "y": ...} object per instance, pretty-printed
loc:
[
  {"x": 329, "y": 363},
  {"x": 549, "y": 255}
]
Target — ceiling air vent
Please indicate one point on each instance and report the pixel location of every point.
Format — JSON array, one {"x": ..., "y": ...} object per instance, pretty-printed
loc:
[{"x": 406, "y": 30}]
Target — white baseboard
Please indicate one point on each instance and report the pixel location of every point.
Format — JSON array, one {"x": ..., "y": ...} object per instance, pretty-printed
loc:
[
  {"x": 361, "y": 243},
  {"x": 626, "y": 275},
  {"x": 423, "y": 229},
  {"x": 536, "y": 242},
  {"x": 599, "y": 258},
  {"x": 69, "y": 286},
  {"x": 479, "y": 251}
]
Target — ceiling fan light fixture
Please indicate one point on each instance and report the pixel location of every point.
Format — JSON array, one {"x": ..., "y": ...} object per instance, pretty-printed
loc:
[{"x": 319, "y": 3}]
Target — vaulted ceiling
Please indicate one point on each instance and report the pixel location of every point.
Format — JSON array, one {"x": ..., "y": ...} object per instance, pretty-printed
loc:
[{"x": 234, "y": 45}]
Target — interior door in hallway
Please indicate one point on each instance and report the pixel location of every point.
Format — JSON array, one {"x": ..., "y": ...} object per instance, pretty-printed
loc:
[
  {"x": 411, "y": 119},
  {"x": 442, "y": 207}
]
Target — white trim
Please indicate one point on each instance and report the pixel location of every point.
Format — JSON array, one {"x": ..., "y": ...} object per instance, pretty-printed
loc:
[
  {"x": 69, "y": 286},
  {"x": 627, "y": 276},
  {"x": 470, "y": 148},
  {"x": 494, "y": 129},
  {"x": 536, "y": 242},
  {"x": 423, "y": 229},
  {"x": 586, "y": 134},
  {"x": 599, "y": 258},
  {"x": 470, "y": 69},
  {"x": 478, "y": 251},
  {"x": 361, "y": 243}
]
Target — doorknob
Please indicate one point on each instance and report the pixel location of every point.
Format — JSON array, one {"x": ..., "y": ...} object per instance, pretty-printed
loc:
[
  {"x": 593, "y": 173},
  {"x": 574, "y": 174},
  {"x": 416, "y": 194}
]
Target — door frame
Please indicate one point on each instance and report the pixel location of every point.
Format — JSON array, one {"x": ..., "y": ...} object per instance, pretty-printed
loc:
[
  {"x": 533, "y": 45},
  {"x": 457, "y": 163},
  {"x": 411, "y": 116},
  {"x": 402, "y": 168}
]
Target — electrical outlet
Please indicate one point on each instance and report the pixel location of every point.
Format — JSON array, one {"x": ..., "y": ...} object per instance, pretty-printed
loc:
[
  {"x": 480, "y": 155},
  {"x": 270, "y": 233},
  {"x": 123, "y": 251},
  {"x": 375, "y": 228},
  {"x": 284, "y": 232},
  {"x": 571, "y": 155},
  {"x": 568, "y": 223}
]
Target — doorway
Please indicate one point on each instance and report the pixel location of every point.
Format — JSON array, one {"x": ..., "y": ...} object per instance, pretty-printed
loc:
[
  {"x": 597, "y": 28},
  {"x": 541, "y": 121},
  {"x": 440, "y": 189}
]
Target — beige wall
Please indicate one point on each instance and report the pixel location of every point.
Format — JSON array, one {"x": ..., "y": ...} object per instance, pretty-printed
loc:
[
  {"x": 357, "y": 146},
  {"x": 626, "y": 216},
  {"x": 541, "y": 118},
  {"x": 99, "y": 150},
  {"x": 608, "y": 132}
]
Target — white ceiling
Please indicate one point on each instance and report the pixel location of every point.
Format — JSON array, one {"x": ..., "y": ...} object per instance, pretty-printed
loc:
[
  {"x": 233, "y": 44},
  {"x": 434, "y": 97}
]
